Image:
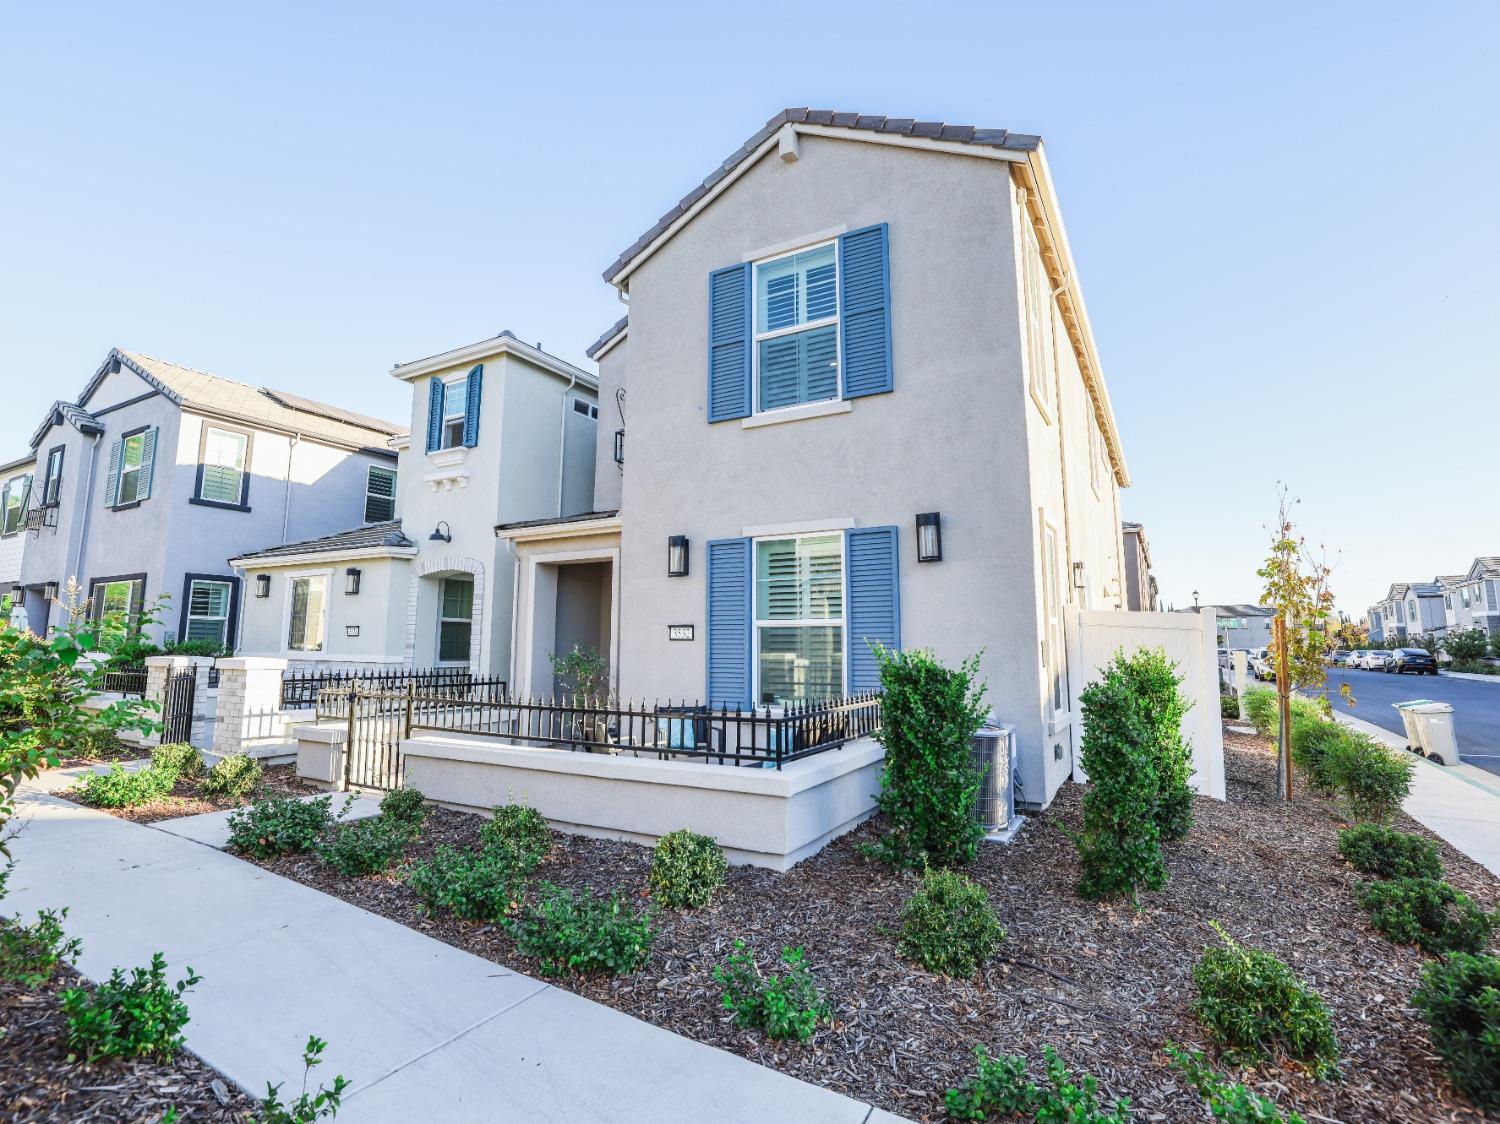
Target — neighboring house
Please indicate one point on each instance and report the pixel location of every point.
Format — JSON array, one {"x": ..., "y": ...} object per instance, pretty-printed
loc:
[
  {"x": 1241, "y": 626},
  {"x": 1140, "y": 583},
  {"x": 158, "y": 472},
  {"x": 864, "y": 406},
  {"x": 1472, "y": 599},
  {"x": 503, "y": 431},
  {"x": 1409, "y": 611},
  {"x": 16, "y": 479}
]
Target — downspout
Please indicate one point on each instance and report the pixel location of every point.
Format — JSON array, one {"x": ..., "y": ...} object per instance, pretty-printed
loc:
[
  {"x": 562, "y": 440},
  {"x": 286, "y": 505},
  {"x": 88, "y": 508}
]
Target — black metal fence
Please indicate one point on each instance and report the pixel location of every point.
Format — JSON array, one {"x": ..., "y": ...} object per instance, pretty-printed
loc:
[
  {"x": 125, "y": 681},
  {"x": 302, "y": 688}
]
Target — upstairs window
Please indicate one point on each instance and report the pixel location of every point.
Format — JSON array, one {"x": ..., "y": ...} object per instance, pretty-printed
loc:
[
  {"x": 52, "y": 482},
  {"x": 455, "y": 402},
  {"x": 17, "y": 497},
  {"x": 380, "y": 494},
  {"x": 131, "y": 461},
  {"x": 587, "y": 409},
  {"x": 799, "y": 618},
  {"x": 221, "y": 469},
  {"x": 1040, "y": 341},
  {"x": 796, "y": 328}
]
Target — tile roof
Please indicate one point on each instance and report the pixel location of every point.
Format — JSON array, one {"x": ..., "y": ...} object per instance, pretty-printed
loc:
[
  {"x": 276, "y": 409},
  {"x": 551, "y": 521},
  {"x": 360, "y": 538},
  {"x": 598, "y": 345},
  {"x": 901, "y": 126},
  {"x": 80, "y": 419},
  {"x": 19, "y": 462}
]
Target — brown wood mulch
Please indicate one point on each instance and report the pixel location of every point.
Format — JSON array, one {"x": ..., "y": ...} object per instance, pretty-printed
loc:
[
  {"x": 39, "y": 1083},
  {"x": 188, "y": 799},
  {"x": 1105, "y": 986}
]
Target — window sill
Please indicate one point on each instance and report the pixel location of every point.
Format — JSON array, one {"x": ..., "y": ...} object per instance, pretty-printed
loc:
[
  {"x": 131, "y": 506},
  {"x": 201, "y": 502},
  {"x": 798, "y": 413},
  {"x": 448, "y": 458}
]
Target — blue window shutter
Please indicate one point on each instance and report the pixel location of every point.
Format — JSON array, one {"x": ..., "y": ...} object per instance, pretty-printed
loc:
[
  {"x": 872, "y": 577},
  {"x": 434, "y": 415},
  {"x": 729, "y": 343},
  {"x": 112, "y": 482},
  {"x": 729, "y": 622},
  {"x": 865, "y": 309},
  {"x": 471, "y": 406},
  {"x": 148, "y": 464}
]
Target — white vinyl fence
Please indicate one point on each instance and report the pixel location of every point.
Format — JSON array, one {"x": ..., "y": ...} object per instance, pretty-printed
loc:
[{"x": 1190, "y": 641}]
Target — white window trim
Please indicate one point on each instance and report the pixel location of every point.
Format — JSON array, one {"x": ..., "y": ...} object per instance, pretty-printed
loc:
[
  {"x": 823, "y": 408},
  {"x": 100, "y": 590},
  {"x": 24, "y": 495},
  {"x": 757, "y": 338},
  {"x": 440, "y": 620},
  {"x": 1054, "y": 663},
  {"x": 203, "y": 465},
  {"x": 449, "y": 419},
  {"x": 120, "y": 477},
  {"x": 1041, "y": 330},
  {"x": 228, "y": 607},
  {"x": 286, "y": 613},
  {"x": 370, "y": 470},
  {"x": 821, "y": 622}
]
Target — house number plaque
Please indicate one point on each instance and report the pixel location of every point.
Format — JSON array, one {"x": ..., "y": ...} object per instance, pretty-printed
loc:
[{"x": 679, "y": 632}]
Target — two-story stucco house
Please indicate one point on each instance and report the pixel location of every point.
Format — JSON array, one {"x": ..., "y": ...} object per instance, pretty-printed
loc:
[
  {"x": 1409, "y": 610},
  {"x": 1140, "y": 582},
  {"x": 16, "y": 477},
  {"x": 1472, "y": 599},
  {"x": 502, "y": 431},
  {"x": 158, "y": 472},
  {"x": 862, "y": 403}
]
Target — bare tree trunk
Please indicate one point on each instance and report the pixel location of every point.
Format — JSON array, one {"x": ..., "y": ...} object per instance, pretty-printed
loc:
[{"x": 1284, "y": 707}]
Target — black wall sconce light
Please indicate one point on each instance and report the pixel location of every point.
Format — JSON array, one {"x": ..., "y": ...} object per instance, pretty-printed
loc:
[
  {"x": 677, "y": 556},
  {"x": 441, "y": 533},
  {"x": 351, "y": 580},
  {"x": 49, "y": 591},
  {"x": 619, "y": 446},
  {"x": 262, "y": 585},
  {"x": 930, "y": 537}
]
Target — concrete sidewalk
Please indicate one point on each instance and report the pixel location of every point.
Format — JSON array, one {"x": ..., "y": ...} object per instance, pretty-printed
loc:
[
  {"x": 423, "y": 1030},
  {"x": 1459, "y": 802}
]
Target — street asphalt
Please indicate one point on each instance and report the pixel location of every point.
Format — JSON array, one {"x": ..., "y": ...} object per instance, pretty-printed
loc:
[{"x": 1476, "y": 707}]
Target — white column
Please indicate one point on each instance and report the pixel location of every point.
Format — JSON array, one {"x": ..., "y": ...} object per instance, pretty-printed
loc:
[{"x": 249, "y": 704}]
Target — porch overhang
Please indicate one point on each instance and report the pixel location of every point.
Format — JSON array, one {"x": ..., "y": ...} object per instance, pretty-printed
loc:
[{"x": 552, "y": 530}]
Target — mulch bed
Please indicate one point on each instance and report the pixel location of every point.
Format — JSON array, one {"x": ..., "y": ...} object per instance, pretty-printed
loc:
[
  {"x": 188, "y": 799},
  {"x": 38, "y": 1082},
  {"x": 1105, "y": 986}
]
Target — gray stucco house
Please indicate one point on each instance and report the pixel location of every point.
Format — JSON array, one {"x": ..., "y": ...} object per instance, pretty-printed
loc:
[
  {"x": 1408, "y": 611},
  {"x": 859, "y": 401},
  {"x": 157, "y": 473}
]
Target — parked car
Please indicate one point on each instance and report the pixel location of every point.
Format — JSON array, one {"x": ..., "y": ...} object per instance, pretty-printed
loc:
[
  {"x": 1418, "y": 660},
  {"x": 1376, "y": 660},
  {"x": 1261, "y": 666},
  {"x": 1339, "y": 657}
]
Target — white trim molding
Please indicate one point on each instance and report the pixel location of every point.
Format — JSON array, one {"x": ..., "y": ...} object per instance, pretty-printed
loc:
[{"x": 479, "y": 634}]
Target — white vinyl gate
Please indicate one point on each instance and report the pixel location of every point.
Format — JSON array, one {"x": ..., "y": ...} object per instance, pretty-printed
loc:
[{"x": 1190, "y": 641}]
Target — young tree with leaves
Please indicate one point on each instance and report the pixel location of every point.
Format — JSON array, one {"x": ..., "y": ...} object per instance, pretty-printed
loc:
[{"x": 1297, "y": 589}]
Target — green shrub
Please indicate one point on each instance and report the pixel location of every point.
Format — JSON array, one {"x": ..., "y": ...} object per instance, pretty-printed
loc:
[
  {"x": 129, "y": 1019},
  {"x": 97, "y": 742},
  {"x": 520, "y": 832},
  {"x": 1252, "y": 1004},
  {"x": 282, "y": 825},
  {"x": 568, "y": 933},
  {"x": 404, "y": 806},
  {"x": 1160, "y": 707},
  {"x": 480, "y": 884},
  {"x": 1119, "y": 847},
  {"x": 1428, "y": 913},
  {"x": 29, "y": 954},
  {"x": 1228, "y": 1100},
  {"x": 1372, "y": 780},
  {"x": 930, "y": 786},
  {"x": 177, "y": 758},
  {"x": 308, "y": 1107},
  {"x": 948, "y": 925},
  {"x": 233, "y": 777},
  {"x": 785, "y": 1004},
  {"x": 1001, "y": 1088},
  {"x": 686, "y": 869},
  {"x": 1260, "y": 707},
  {"x": 1315, "y": 744},
  {"x": 367, "y": 846},
  {"x": 122, "y": 788},
  {"x": 1460, "y": 995},
  {"x": 1386, "y": 853},
  {"x": 1465, "y": 644},
  {"x": 1229, "y": 706}
]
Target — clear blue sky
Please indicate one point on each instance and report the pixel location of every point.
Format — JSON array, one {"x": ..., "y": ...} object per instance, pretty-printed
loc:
[{"x": 1284, "y": 215}]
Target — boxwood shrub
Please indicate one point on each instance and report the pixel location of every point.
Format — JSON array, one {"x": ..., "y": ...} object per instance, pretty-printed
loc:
[
  {"x": 520, "y": 832},
  {"x": 123, "y": 788},
  {"x": 1460, "y": 995},
  {"x": 233, "y": 777},
  {"x": 948, "y": 925},
  {"x": 177, "y": 758},
  {"x": 1429, "y": 913},
  {"x": 1372, "y": 779},
  {"x": 1386, "y": 853},
  {"x": 406, "y": 807},
  {"x": 686, "y": 869}
]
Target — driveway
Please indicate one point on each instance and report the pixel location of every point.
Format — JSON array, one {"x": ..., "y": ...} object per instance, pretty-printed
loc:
[{"x": 1476, "y": 707}]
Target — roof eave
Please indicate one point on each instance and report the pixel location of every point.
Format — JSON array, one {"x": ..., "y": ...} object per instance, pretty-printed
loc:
[
  {"x": 311, "y": 557},
  {"x": 484, "y": 349}
]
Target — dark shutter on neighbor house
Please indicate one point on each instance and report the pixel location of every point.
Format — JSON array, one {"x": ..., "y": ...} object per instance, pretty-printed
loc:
[
  {"x": 729, "y": 339},
  {"x": 729, "y": 622},
  {"x": 148, "y": 464},
  {"x": 872, "y": 580},
  {"x": 865, "y": 311},
  {"x": 472, "y": 395},
  {"x": 434, "y": 415},
  {"x": 112, "y": 481}
]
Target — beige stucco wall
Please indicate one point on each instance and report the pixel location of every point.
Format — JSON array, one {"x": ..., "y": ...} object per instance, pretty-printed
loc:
[
  {"x": 607, "y": 475},
  {"x": 379, "y": 610}
]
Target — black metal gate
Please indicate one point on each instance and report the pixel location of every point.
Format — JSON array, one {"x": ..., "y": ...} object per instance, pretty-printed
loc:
[
  {"x": 177, "y": 706},
  {"x": 374, "y": 723}
]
